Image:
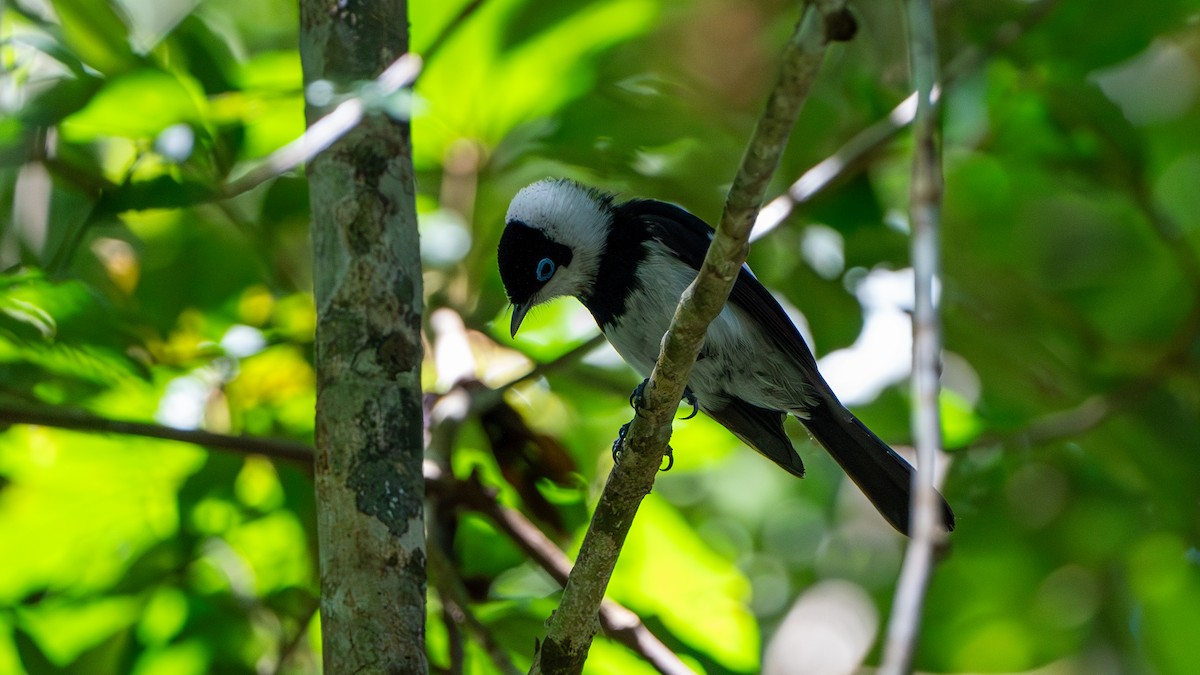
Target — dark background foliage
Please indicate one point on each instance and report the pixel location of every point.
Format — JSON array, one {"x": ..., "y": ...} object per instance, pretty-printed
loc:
[{"x": 131, "y": 291}]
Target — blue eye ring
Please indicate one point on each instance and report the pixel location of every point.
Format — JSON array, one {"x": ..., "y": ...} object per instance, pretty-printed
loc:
[{"x": 545, "y": 269}]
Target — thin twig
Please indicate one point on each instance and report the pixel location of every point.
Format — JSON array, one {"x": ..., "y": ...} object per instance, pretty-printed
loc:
[
  {"x": 619, "y": 623},
  {"x": 557, "y": 362},
  {"x": 446, "y": 416},
  {"x": 829, "y": 170},
  {"x": 853, "y": 152},
  {"x": 456, "y": 602},
  {"x": 288, "y": 648},
  {"x": 1187, "y": 259},
  {"x": 1061, "y": 424},
  {"x": 277, "y": 448},
  {"x": 454, "y": 634},
  {"x": 483, "y": 398},
  {"x": 325, "y": 131},
  {"x": 575, "y": 622},
  {"x": 925, "y": 209},
  {"x": 452, "y": 27}
]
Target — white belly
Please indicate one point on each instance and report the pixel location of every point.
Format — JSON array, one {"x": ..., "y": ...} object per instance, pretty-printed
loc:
[{"x": 736, "y": 360}]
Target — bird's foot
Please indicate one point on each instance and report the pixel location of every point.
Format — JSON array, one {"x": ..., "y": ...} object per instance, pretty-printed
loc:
[
  {"x": 637, "y": 398},
  {"x": 616, "y": 448}
]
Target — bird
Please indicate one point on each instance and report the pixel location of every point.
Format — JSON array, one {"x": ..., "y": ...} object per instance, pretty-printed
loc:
[{"x": 628, "y": 263}]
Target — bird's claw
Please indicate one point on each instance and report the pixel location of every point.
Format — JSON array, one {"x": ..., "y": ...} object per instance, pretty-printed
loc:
[
  {"x": 636, "y": 398},
  {"x": 691, "y": 400},
  {"x": 616, "y": 448},
  {"x": 635, "y": 402}
]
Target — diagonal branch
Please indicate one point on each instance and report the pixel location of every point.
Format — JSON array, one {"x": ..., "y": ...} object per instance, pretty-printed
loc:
[
  {"x": 445, "y": 417},
  {"x": 620, "y": 624},
  {"x": 325, "y": 131},
  {"x": 456, "y": 603},
  {"x": 574, "y": 623},
  {"x": 450, "y": 29},
  {"x": 852, "y": 154}
]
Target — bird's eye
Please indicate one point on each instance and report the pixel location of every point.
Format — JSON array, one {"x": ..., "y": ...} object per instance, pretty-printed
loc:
[{"x": 545, "y": 269}]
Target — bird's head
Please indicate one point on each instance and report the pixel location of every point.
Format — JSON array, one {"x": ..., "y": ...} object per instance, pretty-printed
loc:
[{"x": 554, "y": 237}]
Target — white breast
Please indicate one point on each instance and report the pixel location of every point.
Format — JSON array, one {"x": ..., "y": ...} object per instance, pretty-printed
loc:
[
  {"x": 738, "y": 360},
  {"x": 637, "y": 334}
]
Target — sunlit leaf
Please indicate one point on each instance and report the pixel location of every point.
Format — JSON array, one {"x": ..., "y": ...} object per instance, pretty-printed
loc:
[
  {"x": 960, "y": 424},
  {"x": 161, "y": 99},
  {"x": 62, "y": 329},
  {"x": 702, "y": 596},
  {"x": 479, "y": 90},
  {"x": 61, "y": 100},
  {"x": 96, "y": 31},
  {"x": 79, "y": 633},
  {"x": 32, "y": 657},
  {"x": 268, "y": 546}
]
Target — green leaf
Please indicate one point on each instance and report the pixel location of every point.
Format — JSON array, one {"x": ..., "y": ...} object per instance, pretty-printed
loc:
[
  {"x": 209, "y": 55},
  {"x": 1084, "y": 36},
  {"x": 25, "y": 314},
  {"x": 960, "y": 424},
  {"x": 54, "y": 48},
  {"x": 114, "y": 654},
  {"x": 515, "y": 78},
  {"x": 703, "y": 596},
  {"x": 160, "y": 192},
  {"x": 32, "y": 657},
  {"x": 95, "y": 31},
  {"x": 161, "y": 99},
  {"x": 63, "y": 329},
  {"x": 66, "y": 97}
]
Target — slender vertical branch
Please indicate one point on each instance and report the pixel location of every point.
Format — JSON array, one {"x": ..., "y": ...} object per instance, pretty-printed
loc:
[
  {"x": 574, "y": 623},
  {"x": 925, "y": 214},
  {"x": 367, "y": 287}
]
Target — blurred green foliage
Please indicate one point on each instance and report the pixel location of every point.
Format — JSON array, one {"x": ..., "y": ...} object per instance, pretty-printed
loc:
[{"x": 1071, "y": 303}]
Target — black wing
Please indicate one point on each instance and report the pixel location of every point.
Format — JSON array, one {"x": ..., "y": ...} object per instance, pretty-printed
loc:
[
  {"x": 689, "y": 237},
  {"x": 882, "y": 474},
  {"x": 762, "y": 430}
]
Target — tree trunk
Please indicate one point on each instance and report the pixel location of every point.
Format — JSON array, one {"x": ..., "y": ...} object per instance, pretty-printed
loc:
[{"x": 367, "y": 273}]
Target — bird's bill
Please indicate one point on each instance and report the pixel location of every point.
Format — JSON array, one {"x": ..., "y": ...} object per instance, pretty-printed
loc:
[{"x": 519, "y": 312}]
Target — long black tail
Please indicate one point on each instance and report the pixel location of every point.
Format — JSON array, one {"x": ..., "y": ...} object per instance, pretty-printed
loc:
[{"x": 878, "y": 471}]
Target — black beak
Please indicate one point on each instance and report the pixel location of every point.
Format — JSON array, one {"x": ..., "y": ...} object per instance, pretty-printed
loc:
[{"x": 519, "y": 312}]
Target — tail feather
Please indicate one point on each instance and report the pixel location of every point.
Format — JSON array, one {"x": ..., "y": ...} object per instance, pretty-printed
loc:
[{"x": 883, "y": 476}]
